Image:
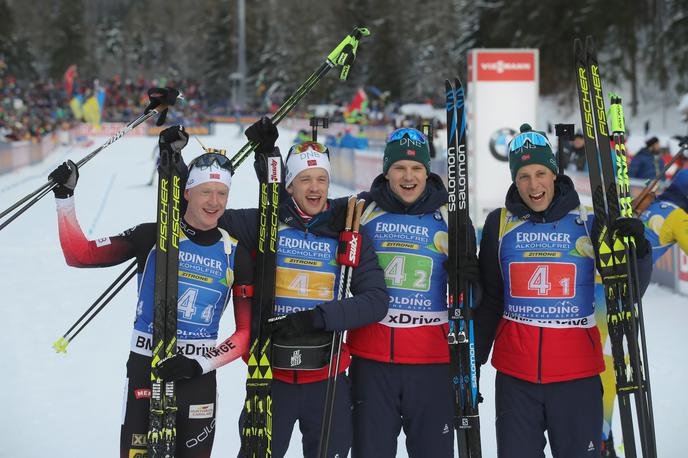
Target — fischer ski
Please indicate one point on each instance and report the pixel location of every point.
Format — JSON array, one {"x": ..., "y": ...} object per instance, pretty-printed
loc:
[
  {"x": 162, "y": 432},
  {"x": 256, "y": 433},
  {"x": 461, "y": 336},
  {"x": 616, "y": 256}
]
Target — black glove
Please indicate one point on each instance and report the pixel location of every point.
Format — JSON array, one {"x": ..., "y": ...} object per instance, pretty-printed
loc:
[
  {"x": 295, "y": 325},
  {"x": 65, "y": 176},
  {"x": 469, "y": 269},
  {"x": 178, "y": 367},
  {"x": 632, "y": 227},
  {"x": 161, "y": 96},
  {"x": 263, "y": 132},
  {"x": 174, "y": 138}
]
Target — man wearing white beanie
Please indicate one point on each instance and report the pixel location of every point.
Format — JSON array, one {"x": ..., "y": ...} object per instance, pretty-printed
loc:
[{"x": 307, "y": 281}]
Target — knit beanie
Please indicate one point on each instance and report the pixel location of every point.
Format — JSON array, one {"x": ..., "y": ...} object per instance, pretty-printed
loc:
[
  {"x": 530, "y": 147},
  {"x": 406, "y": 149}
]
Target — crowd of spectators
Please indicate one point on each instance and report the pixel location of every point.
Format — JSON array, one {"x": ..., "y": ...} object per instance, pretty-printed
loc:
[{"x": 30, "y": 109}]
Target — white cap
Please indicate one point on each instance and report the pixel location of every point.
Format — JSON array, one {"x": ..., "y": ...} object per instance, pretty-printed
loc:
[
  {"x": 212, "y": 174},
  {"x": 308, "y": 159}
]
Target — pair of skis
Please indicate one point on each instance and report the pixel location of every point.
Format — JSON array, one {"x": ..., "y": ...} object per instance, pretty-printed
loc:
[
  {"x": 162, "y": 431},
  {"x": 461, "y": 336},
  {"x": 616, "y": 256}
]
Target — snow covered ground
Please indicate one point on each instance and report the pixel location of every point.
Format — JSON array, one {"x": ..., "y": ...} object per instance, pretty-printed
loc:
[{"x": 70, "y": 405}]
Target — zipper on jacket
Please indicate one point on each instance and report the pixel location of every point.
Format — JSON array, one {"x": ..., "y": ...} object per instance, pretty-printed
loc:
[
  {"x": 391, "y": 346},
  {"x": 592, "y": 341},
  {"x": 540, "y": 358}
]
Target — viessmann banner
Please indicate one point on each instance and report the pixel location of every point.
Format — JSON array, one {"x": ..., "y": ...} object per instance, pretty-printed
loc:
[{"x": 503, "y": 87}]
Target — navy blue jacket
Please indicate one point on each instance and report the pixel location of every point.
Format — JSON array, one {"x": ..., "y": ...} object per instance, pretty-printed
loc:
[
  {"x": 645, "y": 165},
  {"x": 370, "y": 299}
]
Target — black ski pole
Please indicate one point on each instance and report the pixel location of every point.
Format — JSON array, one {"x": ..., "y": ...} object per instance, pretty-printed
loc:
[
  {"x": 39, "y": 193},
  {"x": 348, "y": 256},
  {"x": 343, "y": 55},
  {"x": 60, "y": 345}
]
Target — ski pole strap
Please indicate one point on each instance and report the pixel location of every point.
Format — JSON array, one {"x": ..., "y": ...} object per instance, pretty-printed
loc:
[
  {"x": 349, "y": 249},
  {"x": 344, "y": 54}
]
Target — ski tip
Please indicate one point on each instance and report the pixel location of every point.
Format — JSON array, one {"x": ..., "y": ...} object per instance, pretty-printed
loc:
[
  {"x": 577, "y": 45},
  {"x": 589, "y": 44}
]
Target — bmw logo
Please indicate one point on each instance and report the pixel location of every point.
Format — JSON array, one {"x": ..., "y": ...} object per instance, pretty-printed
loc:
[{"x": 499, "y": 143}]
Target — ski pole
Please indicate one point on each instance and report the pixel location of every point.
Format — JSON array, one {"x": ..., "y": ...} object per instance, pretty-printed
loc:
[
  {"x": 647, "y": 195},
  {"x": 343, "y": 55},
  {"x": 348, "y": 256},
  {"x": 39, "y": 193},
  {"x": 640, "y": 374},
  {"x": 60, "y": 345}
]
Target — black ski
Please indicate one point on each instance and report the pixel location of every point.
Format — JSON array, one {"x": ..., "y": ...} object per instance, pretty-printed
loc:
[
  {"x": 162, "y": 432},
  {"x": 256, "y": 434},
  {"x": 461, "y": 336},
  {"x": 616, "y": 257}
]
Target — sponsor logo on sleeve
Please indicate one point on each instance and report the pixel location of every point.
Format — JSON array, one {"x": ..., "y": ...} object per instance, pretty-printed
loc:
[{"x": 103, "y": 242}]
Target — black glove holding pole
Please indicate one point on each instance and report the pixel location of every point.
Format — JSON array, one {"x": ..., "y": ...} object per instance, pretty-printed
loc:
[
  {"x": 65, "y": 177},
  {"x": 161, "y": 96},
  {"x": 178, "y": 367},
  {"x": 263, "y": 132}
]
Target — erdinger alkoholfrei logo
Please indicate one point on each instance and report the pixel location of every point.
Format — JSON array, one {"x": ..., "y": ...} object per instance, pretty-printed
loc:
[{"x": 499, "y": 143}]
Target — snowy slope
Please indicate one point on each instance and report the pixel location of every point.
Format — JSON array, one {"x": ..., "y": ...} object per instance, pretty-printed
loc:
[{"x": 70, "y": 405}]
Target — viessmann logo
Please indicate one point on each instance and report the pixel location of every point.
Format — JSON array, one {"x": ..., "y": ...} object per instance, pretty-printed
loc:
[
  {"x": 501, "y": 66},
  {"x": 506, "y": 66}
]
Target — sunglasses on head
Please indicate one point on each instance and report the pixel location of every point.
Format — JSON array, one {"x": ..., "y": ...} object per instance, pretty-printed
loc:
[
  {"x": 412, "y": 134},
  {"x": 207, "y": 160},
  {"x": 534, "y": 138},
  {"x": 305, "y": 147}
]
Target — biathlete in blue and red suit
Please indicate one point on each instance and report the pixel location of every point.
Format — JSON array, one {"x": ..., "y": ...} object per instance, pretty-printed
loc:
[
  {"x": 211, "y": 263},
  {"x": 400, "y": 365},
  {"x": 538, "y": 271},
  {"x": 307, "y": 281}
]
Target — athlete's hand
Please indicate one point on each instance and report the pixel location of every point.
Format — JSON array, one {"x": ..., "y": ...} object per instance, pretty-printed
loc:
[
  {"x": 174, "y": 138},
  {"x": 66, "y": 177},
  {"x": 178, "y": 367},
  {"x": 161, "y": 96},
  {"x": 263, "y": 132},
  {"x": 632, "y": 227},
  {"x": 296, "y": 324},
  {"x": 469, "y": 269}
]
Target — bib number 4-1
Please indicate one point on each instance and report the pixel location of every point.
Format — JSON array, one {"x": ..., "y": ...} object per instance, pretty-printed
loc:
[{"x": 553, "y": 280}]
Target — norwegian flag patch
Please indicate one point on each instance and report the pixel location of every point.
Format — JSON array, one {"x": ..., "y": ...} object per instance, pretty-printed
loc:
[
  {"x": 312, "y": 162},
  {"x": 214, "y": 176},
  {"x": 410, "y": 152},
  {"x": 525, "y": 157}
]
